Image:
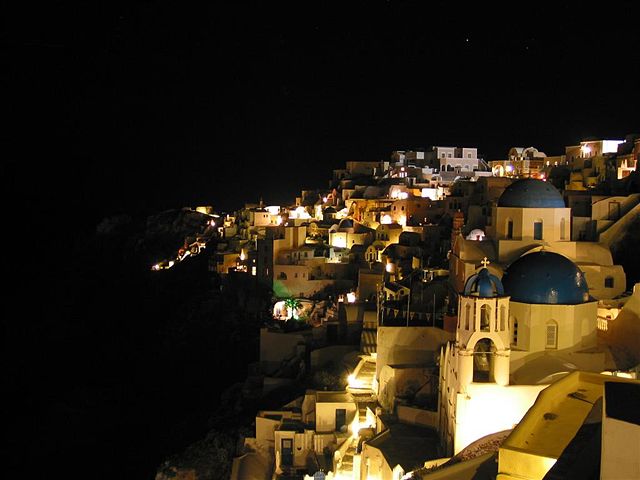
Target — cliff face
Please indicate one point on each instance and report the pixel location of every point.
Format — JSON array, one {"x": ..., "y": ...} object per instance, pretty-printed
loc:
[
  {"x": 155, "y": 237},
  {"x": 111, "y": 360}
]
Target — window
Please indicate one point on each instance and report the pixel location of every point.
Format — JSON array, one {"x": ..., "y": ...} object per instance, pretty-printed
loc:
[
  {"x": 608, "y": 282},
  {"x": 563, "y": 228},
  {"x": 515, "y": 331},
  {"x": 509, "y": 229},
  {"x": 341, "y": 418},
  {"x": 503, "y": 318},
  {"x": 537, "y": 230},
  {"x": 552, "y": 335},
  {"x": 485, "y": 315},
  {"x": 467, "y": 316}
]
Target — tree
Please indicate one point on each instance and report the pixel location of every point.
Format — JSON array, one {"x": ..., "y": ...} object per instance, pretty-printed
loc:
[{"x": 292, "y": 305}]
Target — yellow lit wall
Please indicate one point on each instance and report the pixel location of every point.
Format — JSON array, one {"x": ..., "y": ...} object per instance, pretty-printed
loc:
[
  {"x": 576, "y": 325},
  {"x": 489, "y": 408}
]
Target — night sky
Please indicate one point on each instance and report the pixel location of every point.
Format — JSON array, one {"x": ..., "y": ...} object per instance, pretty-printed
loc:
[
  {"x": 149, "y": 106},
  {"x": 136, "y": 107}
]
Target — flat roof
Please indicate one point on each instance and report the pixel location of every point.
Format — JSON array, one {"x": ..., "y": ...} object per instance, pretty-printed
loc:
[
  {"x": 407, "y": 445},
  {"x": 334, "y": 397}
]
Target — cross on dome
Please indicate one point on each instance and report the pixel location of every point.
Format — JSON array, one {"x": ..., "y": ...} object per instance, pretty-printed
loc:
[{"x": 485, "y": 261}]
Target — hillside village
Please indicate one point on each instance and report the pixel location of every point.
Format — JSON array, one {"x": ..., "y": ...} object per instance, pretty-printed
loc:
[{"x": 477, "y": 309}]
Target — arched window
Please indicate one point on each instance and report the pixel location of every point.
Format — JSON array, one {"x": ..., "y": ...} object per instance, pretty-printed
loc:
[
  {"x": 503, "y": 318},
  {"x": 485, "y": 315},
  {"x": 551, "y": 339},
  {"x": 467, "y": 316},
  {"x": 537, "y": 230},
  {"x": 282, "y": 276},
  {"x": 483, "y": 361}
]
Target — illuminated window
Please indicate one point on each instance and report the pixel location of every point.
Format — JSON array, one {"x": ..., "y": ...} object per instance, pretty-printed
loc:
[{"x": 552, "y": 335}]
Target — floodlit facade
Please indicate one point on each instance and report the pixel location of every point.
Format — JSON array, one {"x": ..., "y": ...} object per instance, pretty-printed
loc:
[{"x": 564, "y": 426}]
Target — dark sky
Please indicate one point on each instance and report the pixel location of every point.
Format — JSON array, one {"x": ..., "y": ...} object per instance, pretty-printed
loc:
[{"x": 127, "y": 106}]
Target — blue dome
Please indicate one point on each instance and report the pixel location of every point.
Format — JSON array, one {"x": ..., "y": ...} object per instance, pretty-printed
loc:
[
  {"x": 484, "y": 284},
  {"x": 547, "y": 278},
  {"x": 531, "y": 193}
]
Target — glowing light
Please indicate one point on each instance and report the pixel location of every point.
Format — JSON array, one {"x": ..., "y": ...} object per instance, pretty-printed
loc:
[
  {"x": 351, "y": 297},
  {"x": 242, "y": 255},
  {"x": 279, "y": 220},
  {"x": 403, "y": 195},
  {"x": 403, "y": 220},
  {"x": 212, "y": 223},
  {"x": 431, "y": 193},
  {"x": 386, "y": 219},
  {"x": 389, "y": 267},
  {"x": 324, "y": 199},
  {"x": 253, "y": 271},
  {"x": 355, "y": 427},
  {"x": 509, "y": 168},
  {"x": 586, "y": 149},
  {"x": 300, "y": 212},
  {"x": 610, "y": 146}
]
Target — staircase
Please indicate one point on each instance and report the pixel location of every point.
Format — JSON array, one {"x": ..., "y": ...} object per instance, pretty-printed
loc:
[{"x": 361, "y": 382}]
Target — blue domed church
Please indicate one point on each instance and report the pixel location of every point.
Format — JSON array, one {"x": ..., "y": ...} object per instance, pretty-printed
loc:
[
  {"x": 531, "y": 215},
  {"x": 527, "y": 298}
]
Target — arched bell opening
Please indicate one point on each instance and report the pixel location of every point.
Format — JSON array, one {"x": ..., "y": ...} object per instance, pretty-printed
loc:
[{"x": 484, "y": 361}]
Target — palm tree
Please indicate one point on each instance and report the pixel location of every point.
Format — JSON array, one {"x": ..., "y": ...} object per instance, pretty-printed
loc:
[{"x": 292, "y": 304}]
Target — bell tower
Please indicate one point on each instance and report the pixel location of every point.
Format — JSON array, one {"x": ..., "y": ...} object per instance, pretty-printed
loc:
[{"x": 482, "y": 334}]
